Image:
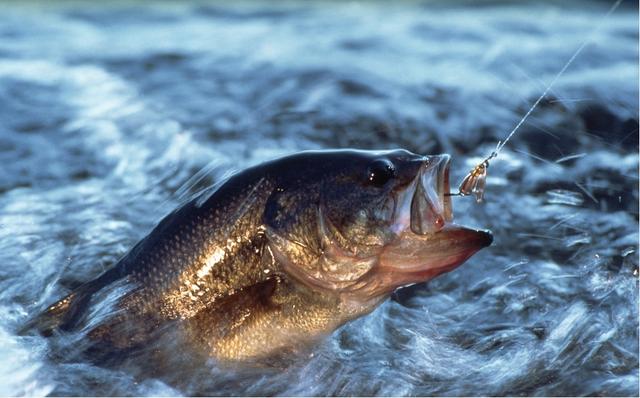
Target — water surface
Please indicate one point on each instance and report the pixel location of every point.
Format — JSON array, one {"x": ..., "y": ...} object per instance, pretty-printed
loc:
[{"x": 108, "y": 111}]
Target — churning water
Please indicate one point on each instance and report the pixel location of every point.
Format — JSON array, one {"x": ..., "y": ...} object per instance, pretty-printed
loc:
[{"x": 107, "y": 111}]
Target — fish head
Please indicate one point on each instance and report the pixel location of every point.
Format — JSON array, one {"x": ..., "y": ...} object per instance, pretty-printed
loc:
[{"x": 364, "y": 223}]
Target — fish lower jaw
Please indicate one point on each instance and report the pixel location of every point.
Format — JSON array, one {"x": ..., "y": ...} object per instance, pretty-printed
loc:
[
  {"x": 416, "y": 258},
  {"x": 426, "y": 270}
]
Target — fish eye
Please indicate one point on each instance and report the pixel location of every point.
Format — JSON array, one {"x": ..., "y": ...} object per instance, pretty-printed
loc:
[{"x": 380, "y": 171}]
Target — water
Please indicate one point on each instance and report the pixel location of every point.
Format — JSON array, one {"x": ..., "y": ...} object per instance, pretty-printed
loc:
[{"x": 107, "y": 111}]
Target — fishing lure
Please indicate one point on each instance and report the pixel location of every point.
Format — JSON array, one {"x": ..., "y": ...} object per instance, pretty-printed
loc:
[{"x": 474, "y": 182}]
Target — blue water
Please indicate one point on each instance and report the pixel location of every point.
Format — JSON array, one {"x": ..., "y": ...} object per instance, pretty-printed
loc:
[{"x": 111, "y": 114}]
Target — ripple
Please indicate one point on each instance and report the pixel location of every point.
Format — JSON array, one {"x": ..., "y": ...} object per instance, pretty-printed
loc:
[{"x": 113, "y": 115}]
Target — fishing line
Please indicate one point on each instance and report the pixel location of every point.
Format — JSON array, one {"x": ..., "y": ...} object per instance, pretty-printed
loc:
[{"x": 474, "y": 182}]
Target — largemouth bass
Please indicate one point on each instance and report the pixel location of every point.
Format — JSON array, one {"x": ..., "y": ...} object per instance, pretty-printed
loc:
[{"x": 280, "y": 255}]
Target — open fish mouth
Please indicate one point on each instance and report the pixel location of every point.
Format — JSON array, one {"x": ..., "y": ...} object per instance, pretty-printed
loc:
[
  {"x": 430, "y": 206},
  {"x": 429, "y": 243}
]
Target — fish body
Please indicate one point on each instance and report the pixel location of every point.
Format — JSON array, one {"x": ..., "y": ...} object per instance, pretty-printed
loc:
[{"x": 280, "y": 255}]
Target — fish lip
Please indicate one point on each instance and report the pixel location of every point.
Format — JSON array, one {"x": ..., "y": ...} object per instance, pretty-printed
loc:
[
  {"x": 477, "y": 238},
  {"x": 488, "y": 237}
]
